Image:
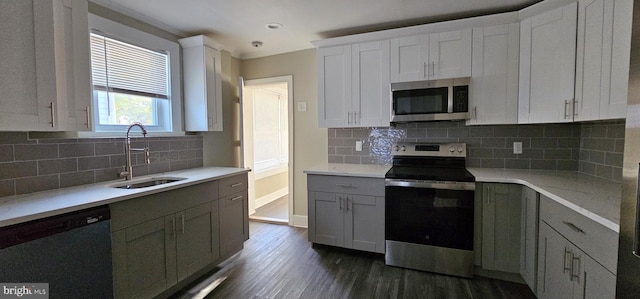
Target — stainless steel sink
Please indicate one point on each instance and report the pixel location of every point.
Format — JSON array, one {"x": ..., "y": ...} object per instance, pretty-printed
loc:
[{"x": 146, "y": 183}]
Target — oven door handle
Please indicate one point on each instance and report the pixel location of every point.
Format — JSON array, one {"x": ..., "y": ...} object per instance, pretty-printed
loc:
[{"x": 431, "y": 184}]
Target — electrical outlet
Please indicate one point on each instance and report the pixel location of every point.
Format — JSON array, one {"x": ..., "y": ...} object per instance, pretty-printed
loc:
[
  {"x": 302, "y": 106},
  {"x": 358, "y": 146},
  {"x": 517, "y": 147}
]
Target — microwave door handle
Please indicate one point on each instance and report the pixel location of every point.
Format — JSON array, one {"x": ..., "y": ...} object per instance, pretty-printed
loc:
[{"x": 450, "y": 99}]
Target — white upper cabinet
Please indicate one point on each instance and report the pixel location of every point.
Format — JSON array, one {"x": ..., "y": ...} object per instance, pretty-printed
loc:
[
  {"x": 353, "y": 85},
  {"x": 434, "y": 56},
  {"x": 45, "y": 66},
  {"x": 334, "y": 86},
  {"x": 547, "y": 66},
  {"x": 602, "y": 59},
  {"x": 370, "y": 84},
  {"x": 494, "y": 97},
  {"x": 202, "y": 84}
]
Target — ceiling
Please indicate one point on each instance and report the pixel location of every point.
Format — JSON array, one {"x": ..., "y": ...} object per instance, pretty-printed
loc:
[{"x": 237, "y": 23}]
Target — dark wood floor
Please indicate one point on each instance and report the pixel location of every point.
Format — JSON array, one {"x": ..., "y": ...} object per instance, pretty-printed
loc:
[{"x": 279, "y": 262}]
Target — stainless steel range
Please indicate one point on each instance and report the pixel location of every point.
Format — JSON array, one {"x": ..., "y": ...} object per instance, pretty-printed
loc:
[{"x": 429, "y": 198}]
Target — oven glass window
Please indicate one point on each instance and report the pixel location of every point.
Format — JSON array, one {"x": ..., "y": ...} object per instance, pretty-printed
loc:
[
  {"x": 429, "y": 216},
  {"x": 421, "y": 101}
]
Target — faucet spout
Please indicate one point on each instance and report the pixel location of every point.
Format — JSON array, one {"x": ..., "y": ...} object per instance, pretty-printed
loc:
[{"x": 128, "y": 173}]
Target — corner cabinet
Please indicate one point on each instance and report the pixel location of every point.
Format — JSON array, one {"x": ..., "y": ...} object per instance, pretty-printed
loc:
[
  {"x": 431, "y": 56},
  {"x": 547, "y": 66},
  {"x": 603, "y": 51},
  {"x": 166, "y": 240},
  {"x": 347, "y": 212},
  {"x": 501, "y": 227},
  {"x": 577, "y": 257},
  {"x": 353, "y": 85},
  {"x": 202, "y": 69},
  {"x": 494, "y": 77},
  {"x": 45, "y": 66},
  {"x": 529, "y": 237}
]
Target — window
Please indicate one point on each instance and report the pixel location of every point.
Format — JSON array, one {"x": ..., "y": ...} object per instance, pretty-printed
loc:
[
  {"x": 133, "y": 82},
  {"x": 271, "y": 138}
]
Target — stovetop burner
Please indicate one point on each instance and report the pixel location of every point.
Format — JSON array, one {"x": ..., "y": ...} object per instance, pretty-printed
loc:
[{"x": 433, "y": 162}]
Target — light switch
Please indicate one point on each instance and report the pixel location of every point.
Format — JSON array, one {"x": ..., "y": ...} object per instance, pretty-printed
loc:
[
  {"x": 517, "y": 147},
  {"x": 302, "y": 106},
  {"x": 358, "y": 146}
]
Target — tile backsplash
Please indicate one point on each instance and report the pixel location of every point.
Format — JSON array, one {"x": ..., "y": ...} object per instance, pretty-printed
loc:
[
  {"x": 593, "y": 148},
  {"x": 31, "y": 165}
]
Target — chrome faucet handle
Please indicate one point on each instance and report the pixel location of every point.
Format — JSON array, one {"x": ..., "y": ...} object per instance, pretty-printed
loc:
[{"x": 147, "y": 157}]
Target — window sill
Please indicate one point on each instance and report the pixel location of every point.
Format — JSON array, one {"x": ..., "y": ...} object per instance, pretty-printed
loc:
[
  {"x": 135, "y": 132},
  {"x": 270, "y": 171}
]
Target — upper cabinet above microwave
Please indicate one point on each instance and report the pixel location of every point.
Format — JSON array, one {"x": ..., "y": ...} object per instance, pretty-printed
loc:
[{"x": 431, "y": 56}]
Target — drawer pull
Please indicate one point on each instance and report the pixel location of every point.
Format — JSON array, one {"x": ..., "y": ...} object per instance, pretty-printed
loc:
[
  {"x": 574, "y": 227},
  {"x": 236, "y": 185},
  {"x": 236, "y": 198},
  {"x": 343, "y": 185},
  {"x": 340, "y": 203}
]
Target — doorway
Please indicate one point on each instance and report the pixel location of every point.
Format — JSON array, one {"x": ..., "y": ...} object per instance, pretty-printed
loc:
[{"x": 267, "y": 118}]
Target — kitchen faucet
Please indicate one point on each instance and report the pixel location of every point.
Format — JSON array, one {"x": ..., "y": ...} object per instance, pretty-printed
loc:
[{"x": 128, "y": 172}]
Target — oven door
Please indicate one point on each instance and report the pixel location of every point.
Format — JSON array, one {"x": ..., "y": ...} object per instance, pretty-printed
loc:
[{"x": 430, "y": 213}]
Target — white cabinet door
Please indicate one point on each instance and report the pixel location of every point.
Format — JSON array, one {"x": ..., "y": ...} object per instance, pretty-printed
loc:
[
  {"x": 371, "y": 101},
  {"x": 501, "y": 227},
  {"x": 529, "y": 237},
  {"x": 593, "y": 57},
  {"x": 494, "y": 99},
  {"x": 202, "y": 84},
  {"x": 45, "y": 66},
  {"x": 616, "y": 106},
  {"x": 334, "y": 86},
  {"x": 409, "y": 57},
  {"x": 547, "y": 66},
  {"x": 449, "y": 54}
]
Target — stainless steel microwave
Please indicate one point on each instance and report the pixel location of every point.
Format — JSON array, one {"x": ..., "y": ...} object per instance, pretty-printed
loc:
[{"x": 445, "y": 99}]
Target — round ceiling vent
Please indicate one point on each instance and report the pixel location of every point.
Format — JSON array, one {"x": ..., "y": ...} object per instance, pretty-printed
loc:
[
  {"x": 256, "y": 44},
  {"x": 273, "y": 26}
]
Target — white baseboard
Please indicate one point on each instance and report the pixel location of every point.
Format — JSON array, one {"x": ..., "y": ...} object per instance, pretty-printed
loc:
[
  {"x": 271, "y": 197},
  {"x": 300, "y": 221}
]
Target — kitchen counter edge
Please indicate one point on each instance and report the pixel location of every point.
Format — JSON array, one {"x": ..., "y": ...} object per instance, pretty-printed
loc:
[
  {"x": 23, "y": 208},
  {"x": 357, "y": 170}
]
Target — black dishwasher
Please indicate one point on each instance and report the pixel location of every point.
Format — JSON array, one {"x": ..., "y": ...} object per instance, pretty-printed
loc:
[{"x": 70, "y": 252}]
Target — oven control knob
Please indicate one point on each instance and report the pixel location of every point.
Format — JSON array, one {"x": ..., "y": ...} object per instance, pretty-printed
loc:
[
  {"x": 460, "y": 149},
  {"x": 452, "y": 149},
  {"x": 396, "y": 148},
  {"x": 403, "y": 148}
]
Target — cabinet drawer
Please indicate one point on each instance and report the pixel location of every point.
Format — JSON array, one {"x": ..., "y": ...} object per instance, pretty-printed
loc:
[
  {"x": 232, "y": 185},
  {"x": 591, "y": 237},
  {"x": 344, "y": 184}
]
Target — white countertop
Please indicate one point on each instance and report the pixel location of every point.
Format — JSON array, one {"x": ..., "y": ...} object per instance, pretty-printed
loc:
[
  {"x": 359, "y": 170},
  {"x": 22, "y": 208},
  {"x": 595, "y": 198}
]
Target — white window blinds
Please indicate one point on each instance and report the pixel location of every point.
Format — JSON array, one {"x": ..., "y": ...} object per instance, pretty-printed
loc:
[{"x": 125, "y": 68}]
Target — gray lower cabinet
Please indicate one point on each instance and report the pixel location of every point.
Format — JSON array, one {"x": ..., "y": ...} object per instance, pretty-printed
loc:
[
  {"x": 347, "y": 212},
  {"x": 576, "y": 256},
  {"x": 162, "y": 240},
  {"x": 501, "y": 220},
  {"x": 529, "y": 237},
  {"x": 234, "y": 225}
]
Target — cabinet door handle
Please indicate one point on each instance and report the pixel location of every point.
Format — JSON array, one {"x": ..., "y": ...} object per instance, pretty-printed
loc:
[
  {"x": 340, "y": 202},
  {"x": 347, "y": 203},
  {"x": 425, "y": 70},
  {"x": 53, "y": 118},
  {"x": 575, "y": 268},
  {"x": 566, "y": 113},
  {"x": 348, "y": 118},
  {"x": 355, "y": 118},
  {"x": 574, "y": 227},
  {"x": 173, "y": 227},
  {"x": 86, "y": 112},
  {"x": 566, "y": 268},
  {"x": 236, "y": 198},
  {"x": 182, "y": 224},
  {"x": 236, "y": 185},
  {"x": 475, "y": 112},
  {"x": 575, "y": 111},
  {"x": 433, "y": 67}
]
